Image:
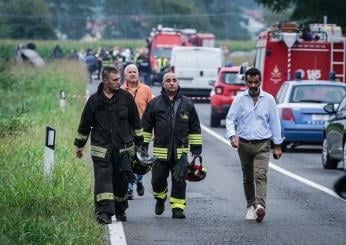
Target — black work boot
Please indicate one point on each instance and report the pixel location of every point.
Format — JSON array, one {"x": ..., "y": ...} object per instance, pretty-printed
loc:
[
  {"x": 178, "y": 213},
  {"x": 121, "y": 216},
  {"x": 130, "y": 195},
  {"x": 160, "y": 206},
  {"x": 140, "y": 189},
  {"x": 104, "y": 218}
]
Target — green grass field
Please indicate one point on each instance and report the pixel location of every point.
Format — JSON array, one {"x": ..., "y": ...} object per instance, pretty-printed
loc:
[{"x": 35, "y": 210}]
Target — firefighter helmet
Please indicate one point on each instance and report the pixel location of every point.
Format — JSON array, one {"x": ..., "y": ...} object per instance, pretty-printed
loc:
[
  {"x": 196, "y": 172},
  {"x": 142, "y": 162}
]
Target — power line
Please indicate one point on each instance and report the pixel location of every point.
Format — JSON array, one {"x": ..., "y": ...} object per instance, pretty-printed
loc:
[{"x": 120, "y": 16}]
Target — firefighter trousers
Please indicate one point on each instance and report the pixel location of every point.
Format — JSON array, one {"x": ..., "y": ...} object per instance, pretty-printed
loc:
[
  {"x": 110, "y": 186},
  {"x": 160, "y": 173}
]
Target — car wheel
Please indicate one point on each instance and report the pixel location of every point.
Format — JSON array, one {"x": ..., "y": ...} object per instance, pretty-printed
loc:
[
  {"x": 214, "y": 122},
  {"x": 327, "y": 161}
]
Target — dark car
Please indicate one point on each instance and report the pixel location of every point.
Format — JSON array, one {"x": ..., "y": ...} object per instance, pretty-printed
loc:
[{"x": 334, "y": 140}]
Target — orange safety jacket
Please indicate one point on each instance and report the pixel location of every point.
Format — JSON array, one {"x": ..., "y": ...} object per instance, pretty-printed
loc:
[{"x": 141, "y": 93}]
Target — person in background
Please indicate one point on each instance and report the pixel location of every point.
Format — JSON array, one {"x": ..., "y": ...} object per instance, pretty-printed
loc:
[
  {"x": 111, "y": 117},
  {"x": 144, "y": 68},
  {"x": 176, "y": 126},
  {"x": 91, "y": 63},
  {"x": 252, "y": 121},
  {"x": 142, "y": 94}
]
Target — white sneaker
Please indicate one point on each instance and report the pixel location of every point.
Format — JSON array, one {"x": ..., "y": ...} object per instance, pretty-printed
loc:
[
  {"x": 251, "y": 213},
  {"x": 260, "y": 213}
]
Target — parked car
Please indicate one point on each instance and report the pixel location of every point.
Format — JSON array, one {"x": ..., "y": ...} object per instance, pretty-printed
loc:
[
  {"x": 228, "y": 84},
  {"x": 300, "y": 106},
  {"x": 334, "y": 144}
]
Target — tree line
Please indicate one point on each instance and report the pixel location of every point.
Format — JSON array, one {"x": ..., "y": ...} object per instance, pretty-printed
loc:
[{"x": 74, "y": 19}]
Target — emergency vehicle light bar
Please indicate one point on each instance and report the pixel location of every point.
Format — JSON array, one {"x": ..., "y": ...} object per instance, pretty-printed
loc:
[{"x": 289, "y": 38}]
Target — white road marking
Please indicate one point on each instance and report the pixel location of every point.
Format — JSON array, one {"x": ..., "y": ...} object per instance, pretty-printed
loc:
[
  {"x": 116, "y": 233},
  {"x": 279, "y": 169}
]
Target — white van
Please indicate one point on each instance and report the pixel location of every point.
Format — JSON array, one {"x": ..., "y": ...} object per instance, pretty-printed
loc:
[{"x": 194, "y": 67}]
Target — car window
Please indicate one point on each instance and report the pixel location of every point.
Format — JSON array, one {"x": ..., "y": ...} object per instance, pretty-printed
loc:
[
  {"x": 342, "y": 106},
  {"x": 281, "y": 93},
  {"x": 231, "y": 78},
  {"x": 162, "y": 52},
  {"x": 317, "y": 93}
]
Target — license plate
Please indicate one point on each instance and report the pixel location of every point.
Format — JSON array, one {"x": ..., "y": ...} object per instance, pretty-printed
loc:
[{"x": 320, "y": 117}]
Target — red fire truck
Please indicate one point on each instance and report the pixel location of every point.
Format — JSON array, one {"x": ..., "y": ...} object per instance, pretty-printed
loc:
[
  {"x": 315, "y": 52},
  {"x": 160, "y": 44},
  {"x": 163, "y": 39}
]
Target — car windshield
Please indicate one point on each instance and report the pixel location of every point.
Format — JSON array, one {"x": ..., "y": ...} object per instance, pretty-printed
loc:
[
  {"x": 317, "y": 93},
  {"x": 162, "y": 52},
  {"x": 231, "y": 78}
]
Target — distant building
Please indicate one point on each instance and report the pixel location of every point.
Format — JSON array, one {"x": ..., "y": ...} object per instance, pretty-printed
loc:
[{"x": 253, "y": 21}]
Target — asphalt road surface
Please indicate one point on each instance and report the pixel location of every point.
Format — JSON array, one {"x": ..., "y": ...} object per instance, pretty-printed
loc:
[{"x": 301, "y": 206}]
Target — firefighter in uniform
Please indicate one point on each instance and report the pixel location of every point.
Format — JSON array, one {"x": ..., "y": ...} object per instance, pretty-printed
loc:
[
  {"x": 112, "y": 118},
  {"x": 176, "y": 127},
  {"x": 107, "y": 60}
]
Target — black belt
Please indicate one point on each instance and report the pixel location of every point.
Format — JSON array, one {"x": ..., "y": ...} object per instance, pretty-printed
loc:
[{"x": 252, "y": 141}]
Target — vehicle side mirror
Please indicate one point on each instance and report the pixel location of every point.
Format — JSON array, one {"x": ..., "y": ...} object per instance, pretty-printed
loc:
[
  {"x": 211, "y": 82},
  {"x": 329, "y": 108},
  {"x": 241, "y": 77}
]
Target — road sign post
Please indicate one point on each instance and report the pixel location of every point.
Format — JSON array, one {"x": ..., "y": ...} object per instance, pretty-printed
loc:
[{"x": 49, "y": 152}]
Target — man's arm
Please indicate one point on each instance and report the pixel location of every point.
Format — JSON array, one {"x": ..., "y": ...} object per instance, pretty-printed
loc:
[
  {"x": 275, "y": 127},
  {"x": 195, "y": 135},
  {"x": 147, "y": 121},
  {"x": 135, "y": 122},
  {"x": 83, "y": 129}
]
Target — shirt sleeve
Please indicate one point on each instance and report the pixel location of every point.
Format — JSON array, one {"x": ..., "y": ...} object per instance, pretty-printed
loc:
[
  {"x": 274, "y": 122},
  {"x": 231, "y": 118}
]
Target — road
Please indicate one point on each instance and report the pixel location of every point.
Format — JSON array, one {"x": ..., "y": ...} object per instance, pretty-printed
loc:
[{"x": 300, "y": 210}]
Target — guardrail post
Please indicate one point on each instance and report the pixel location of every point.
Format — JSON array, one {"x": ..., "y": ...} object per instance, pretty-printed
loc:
[{"x": 49, "y": 152}]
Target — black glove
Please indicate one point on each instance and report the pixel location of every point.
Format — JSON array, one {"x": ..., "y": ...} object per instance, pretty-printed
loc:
[
  {"x": 126, "y": 169},
  {"x": 128, "y": 177},
  {"x": 180, "y": 169},
  {"x": 144, "y": 149}
]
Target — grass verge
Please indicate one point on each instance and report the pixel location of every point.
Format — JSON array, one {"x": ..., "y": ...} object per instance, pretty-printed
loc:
[{"x": 35, "y": 210}]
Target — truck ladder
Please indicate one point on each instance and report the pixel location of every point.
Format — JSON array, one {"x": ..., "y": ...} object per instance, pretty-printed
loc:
[{"x": 338, "y": 58}]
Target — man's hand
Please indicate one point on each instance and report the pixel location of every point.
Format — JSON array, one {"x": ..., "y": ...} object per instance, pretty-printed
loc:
[
  {"x": 195, "y": 155},
  {"x": 145, "y": 150},
  {"x": 277, "y": 151},
  {"x": 234, "y": 141},
  {"x": 79, "y": 152},
  {"x": 138, "y": 147}
]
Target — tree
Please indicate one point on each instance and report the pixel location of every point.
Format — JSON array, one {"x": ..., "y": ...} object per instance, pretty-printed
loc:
[
  {"x": 311, "y": 11},
  {"x": 70, "y": 16},
  {"x": 31, "y": 20},
  {"x": 225, "y": 18}
]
